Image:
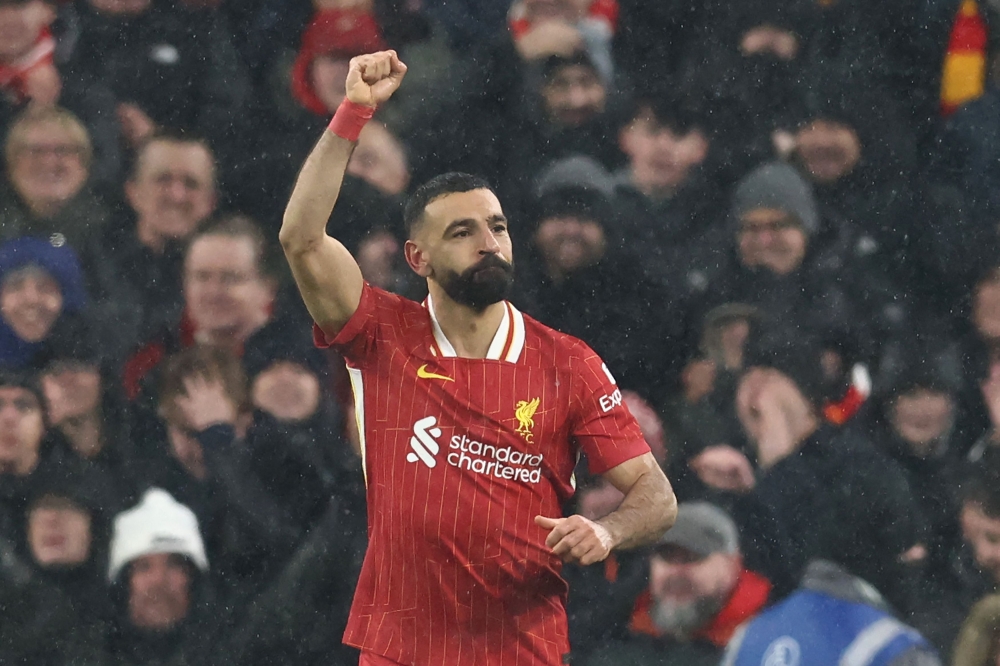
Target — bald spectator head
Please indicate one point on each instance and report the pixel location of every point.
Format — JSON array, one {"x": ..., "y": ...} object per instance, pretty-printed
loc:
[{"x": 172, "y": 188}]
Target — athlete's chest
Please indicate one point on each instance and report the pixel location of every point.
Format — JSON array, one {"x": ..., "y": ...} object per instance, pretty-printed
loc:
[{"x": 485, "y": 416}]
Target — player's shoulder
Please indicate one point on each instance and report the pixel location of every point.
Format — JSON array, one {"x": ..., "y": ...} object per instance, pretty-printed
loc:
[
  {"x": 401, "y": 316},
  {"x": 564, "y": 349}
]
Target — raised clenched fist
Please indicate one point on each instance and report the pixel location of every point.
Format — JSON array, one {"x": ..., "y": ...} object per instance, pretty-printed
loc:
[{"x": 373, "y": 78}]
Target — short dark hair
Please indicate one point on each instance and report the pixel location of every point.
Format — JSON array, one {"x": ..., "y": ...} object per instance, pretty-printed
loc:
[
  {"x": 680, "y": 112},
  {"x": 981, "y": 488},
  {"x": 174, "y": 136},
  {"x": 447, "y": 183},
  {"x": 207, "y": 362},
  {"x": 238, "y": 226}
]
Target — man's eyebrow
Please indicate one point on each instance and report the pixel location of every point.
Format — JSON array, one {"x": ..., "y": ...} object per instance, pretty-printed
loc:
[
  {"x": 464, "y": 222},
  {"x": 497, "y": 218}
]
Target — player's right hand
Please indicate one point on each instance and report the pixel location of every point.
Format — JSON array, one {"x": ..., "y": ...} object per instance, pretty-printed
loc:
[{"x": 373, "y": 78}]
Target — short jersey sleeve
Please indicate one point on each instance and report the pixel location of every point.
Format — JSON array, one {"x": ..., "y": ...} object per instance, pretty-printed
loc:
[
  {"x": 602, "y": 425},
  {"x": 358, "y": 340}
]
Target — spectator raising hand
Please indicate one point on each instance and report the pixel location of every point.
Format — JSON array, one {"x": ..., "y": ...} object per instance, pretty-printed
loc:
[{"x": 205, "y": 403}]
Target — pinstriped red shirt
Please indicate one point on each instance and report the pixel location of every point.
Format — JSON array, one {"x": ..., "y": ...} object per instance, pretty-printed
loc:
[{"x": 460, "y": 455}]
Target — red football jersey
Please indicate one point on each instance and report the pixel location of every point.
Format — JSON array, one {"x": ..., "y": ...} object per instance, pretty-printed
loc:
[{"x": 460, "y": 455}]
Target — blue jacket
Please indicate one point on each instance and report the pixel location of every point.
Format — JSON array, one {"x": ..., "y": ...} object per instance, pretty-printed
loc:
[{"x": 821, "y": 627}]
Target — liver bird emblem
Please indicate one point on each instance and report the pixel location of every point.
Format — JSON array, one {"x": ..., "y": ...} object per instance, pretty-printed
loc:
[{"x": 525, "y": 413}]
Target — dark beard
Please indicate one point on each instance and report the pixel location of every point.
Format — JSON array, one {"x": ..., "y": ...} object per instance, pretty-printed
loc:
[{"x": 480, "y": 285}]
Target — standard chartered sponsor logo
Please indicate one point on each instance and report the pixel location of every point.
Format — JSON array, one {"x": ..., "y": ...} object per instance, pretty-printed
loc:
[
  {"x": 424, "y": 442},
  {"x": 501, "y": 462},
  {"x": 472, "y": 455}
]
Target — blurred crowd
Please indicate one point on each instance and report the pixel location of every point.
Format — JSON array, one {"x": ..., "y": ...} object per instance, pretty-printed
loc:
[{"x": 777, "y": 222}]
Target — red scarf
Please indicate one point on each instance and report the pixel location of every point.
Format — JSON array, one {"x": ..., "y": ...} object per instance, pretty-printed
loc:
[{"x": 14, "y": 75}]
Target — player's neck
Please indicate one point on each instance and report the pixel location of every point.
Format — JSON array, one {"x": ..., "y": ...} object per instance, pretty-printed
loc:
[{"x": 470, "y": 332}]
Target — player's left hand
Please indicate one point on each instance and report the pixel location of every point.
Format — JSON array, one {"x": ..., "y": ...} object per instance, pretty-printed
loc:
[{"x": 577, "y": 539}]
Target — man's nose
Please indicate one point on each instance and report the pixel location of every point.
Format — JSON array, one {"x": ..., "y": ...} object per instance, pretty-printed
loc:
[{"x": 490, "y": 244}]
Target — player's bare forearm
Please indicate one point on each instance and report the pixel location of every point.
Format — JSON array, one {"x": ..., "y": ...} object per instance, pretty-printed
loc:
[
  {"x": 648, "y": 510},
  {"x": 315, "y": 194}
]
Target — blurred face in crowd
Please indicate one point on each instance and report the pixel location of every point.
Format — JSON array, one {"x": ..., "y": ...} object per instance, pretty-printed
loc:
[
  {"x": 30, "y": 303},
  {"x": 569, "y": 242},
  {"x": 59, "y": 532},
  {"x": 378, "y": 257},
  {"x": 224, "y": 290},
  {"x": 49, "y": 167},
  {"x": 72, "y": 390},
  {"x": 287, "y": 391},
  {"x": 573, "y": 95},
  {"x": 986, "y": 311},
  {"x": 172, "y": 190},
  {"x": 184, "y": 446},
  {"x": 462, "y": 244},
  {"x": 22, "y": 427},
  {"x": 689, "y": 590},
  {"x": 828, "y": 150},
  {"x": 121, "y": 7},
  {"x": 649, "y": 423},
  {"x": 982, "y": 533},
  {"x": 329, "y": 76},
  {"x": 771, "y": 239},
  {"x": 921, "y": 417},
  {"x": 20, "y": 24},
  {"x": 159, "y": 591},
  {"x": 379, "y": 160},
  {"x": 660, "y": 158},
  {"x": 767, "y": 39}
]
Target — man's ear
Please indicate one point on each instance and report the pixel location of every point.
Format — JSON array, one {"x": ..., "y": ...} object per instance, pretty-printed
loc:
[{"x": 417, "y": 258}]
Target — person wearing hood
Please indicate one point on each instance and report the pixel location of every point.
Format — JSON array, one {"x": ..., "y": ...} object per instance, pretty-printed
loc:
[
  {"x": 160, "y": 586},
  {"x": 67, "y": 534},
  {"x": 916, "y": 419},
  {"x": 85, "y": 405},
  {"x": 43, "y": 300},
  {"x": 577, "y": 280},
  {"x": 299, "y": 102}
]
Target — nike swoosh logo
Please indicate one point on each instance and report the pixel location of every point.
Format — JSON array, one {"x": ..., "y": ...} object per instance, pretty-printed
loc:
[{"x": 423, "y": 373}]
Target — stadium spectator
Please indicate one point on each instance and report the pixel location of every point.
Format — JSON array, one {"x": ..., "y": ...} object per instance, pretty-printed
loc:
[
  {"x": 27, "y": 69},
  {"x": 171, "y": 192},
  {"x": 831, "y": 490},
  {"x": 670, "y": 203},
  {"x": 161, "y": 589},
  {"x": 802, "y": 628},
  {"x": 978, "y": 644},
  {"x": 573, "y": 270},
  {"x": 165, "y": 68},
  {"x": 42, "y": 301},
  {"x": 698, "y": 594}
]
